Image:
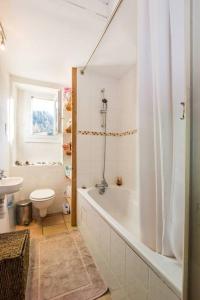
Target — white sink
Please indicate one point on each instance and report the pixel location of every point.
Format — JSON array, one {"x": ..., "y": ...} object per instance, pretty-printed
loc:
[{"x": 10, "y": 185}]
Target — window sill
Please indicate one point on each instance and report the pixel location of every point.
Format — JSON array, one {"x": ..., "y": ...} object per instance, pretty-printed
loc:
[
  {"x": 56, "y": 139},
  {"x": 49, "y": 164}
]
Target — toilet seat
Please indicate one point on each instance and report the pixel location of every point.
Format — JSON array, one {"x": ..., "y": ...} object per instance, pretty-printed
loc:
[
  {"x": 41, "y": 200},
  {"x": 42, "y": 195}
]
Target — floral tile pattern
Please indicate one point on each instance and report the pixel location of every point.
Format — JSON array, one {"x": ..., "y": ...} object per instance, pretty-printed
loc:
[{"x": 101, "y": 133}]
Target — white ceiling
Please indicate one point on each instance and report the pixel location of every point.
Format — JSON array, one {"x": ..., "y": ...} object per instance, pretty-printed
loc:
[
  {"x": 117, "y": 52},
  {"x": 45, "y": 38}
]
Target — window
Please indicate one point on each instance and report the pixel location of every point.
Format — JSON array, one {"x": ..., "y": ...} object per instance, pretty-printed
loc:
[
  {"x": 43, "y": 121},
  {"x": 43, "y": 117}
]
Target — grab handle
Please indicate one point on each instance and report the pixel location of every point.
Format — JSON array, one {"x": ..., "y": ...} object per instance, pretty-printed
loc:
[{"x": 183, "y": 113}]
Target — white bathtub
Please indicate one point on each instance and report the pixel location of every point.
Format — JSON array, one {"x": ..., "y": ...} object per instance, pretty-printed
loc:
[
  {"x": 109, "y": 224},
  {"x": 121, "y": 204}
]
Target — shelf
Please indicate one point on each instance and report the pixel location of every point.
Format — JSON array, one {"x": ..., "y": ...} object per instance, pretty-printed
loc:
[
  {"x": 67, "y": 148},
  {"x": 68, "y": 105},
  {"x": 68, "y": 153},
  {"x": 68, "y": 172},
  {"x": 68, "y": 128}
]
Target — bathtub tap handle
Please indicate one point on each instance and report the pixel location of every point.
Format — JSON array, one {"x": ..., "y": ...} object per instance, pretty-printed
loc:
[{"x": 102, "y": 186}]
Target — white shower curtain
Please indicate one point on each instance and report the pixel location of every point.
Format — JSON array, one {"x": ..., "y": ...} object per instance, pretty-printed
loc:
[{"x": 161, "y": 89}]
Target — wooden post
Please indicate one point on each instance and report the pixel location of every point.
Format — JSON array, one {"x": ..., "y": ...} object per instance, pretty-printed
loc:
[{"x": 74, "y": 139}]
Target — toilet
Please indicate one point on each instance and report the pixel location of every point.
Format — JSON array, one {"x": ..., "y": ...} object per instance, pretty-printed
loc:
[{"x": 42, "y": 199}]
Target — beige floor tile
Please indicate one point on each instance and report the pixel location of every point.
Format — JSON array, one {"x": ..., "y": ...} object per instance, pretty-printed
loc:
[
  {"x": 67, "y": 219},
  {"x": 18, "y": 227},
  {"x": 54, "y": 219},
  {"x": 71, "y": 228},
  {"x": 35, "y": 229},
  {"x": 36, "y": 223},
  {"x": 55, "y": 229},
  {"x": 33, "y": 224},
  {"x": 36, "y": 232}
]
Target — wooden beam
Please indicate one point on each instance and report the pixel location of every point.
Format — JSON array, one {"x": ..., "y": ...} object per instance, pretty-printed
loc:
[{"x": 74, "y": 143}]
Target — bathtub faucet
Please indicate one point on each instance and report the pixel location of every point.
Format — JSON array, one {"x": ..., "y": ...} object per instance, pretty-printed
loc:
[{"x": 102, "y": 186}]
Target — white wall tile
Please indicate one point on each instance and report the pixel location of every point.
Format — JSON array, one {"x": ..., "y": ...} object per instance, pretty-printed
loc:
[
  {"x": 121, "y": 152},
  {"x": 38, "y": 177}
]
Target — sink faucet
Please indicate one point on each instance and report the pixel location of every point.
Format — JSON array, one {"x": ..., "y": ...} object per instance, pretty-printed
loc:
[
  {"x": 2, "y": 174},
  {"x": 102, "y": 186}
]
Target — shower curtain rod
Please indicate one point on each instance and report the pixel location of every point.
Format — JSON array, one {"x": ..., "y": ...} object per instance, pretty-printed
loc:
[{"x": 102, "y": 35}]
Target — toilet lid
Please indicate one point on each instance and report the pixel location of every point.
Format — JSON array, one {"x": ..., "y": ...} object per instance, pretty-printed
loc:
[{"x": 42, "y": 194}]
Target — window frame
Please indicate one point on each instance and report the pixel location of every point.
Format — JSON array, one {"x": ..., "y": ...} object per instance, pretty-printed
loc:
[{"x": 34, "y": 138}]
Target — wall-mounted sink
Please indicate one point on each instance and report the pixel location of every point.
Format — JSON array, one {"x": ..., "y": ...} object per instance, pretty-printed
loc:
[{"x": 10, "y": 185}]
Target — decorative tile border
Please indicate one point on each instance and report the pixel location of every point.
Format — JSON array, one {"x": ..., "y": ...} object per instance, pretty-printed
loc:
[{"x": 124, "y": 133}]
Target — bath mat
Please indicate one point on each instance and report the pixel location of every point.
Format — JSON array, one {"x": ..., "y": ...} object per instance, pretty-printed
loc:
[{"x": 62, "y": 268}]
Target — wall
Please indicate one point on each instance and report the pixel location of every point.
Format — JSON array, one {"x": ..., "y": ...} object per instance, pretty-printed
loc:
[
  {"x": 32, "y": 151},
  {"x": 35, "y": 177},
  {"x": 4, "y": 97},
  {"x": 38, "y": 177},
  {"x": 90, "y": 148},
  {"x": 121, "y": 152},
  {"x": 128, "y": 146},
  {"x": 6, "y": 215},
  {"x": 111, "y": 6}
]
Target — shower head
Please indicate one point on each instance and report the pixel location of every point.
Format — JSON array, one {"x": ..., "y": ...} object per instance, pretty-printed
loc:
[
  {"x": 104, "y": 101},
  {"x": 103, "y": 97}
]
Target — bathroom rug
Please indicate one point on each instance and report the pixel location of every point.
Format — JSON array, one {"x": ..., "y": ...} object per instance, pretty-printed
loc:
[{"x": 61, "y": 268}]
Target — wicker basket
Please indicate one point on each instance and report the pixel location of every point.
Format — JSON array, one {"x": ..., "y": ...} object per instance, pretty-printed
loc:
[{"x": 14, "y": 262}]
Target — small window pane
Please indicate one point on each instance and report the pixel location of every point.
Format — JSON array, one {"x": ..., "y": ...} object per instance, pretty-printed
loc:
[{"x": 43, "y": 116}]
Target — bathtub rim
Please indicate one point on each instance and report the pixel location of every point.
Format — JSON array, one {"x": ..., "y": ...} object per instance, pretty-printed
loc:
[{"x": 155, "y": 261}]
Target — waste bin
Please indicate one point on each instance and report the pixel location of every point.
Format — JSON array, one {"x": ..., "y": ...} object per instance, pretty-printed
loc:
[{"x": 24, "y": 212}]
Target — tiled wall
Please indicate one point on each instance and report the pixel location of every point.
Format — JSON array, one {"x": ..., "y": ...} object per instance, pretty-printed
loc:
[
  {"x": 108, "y": 133},
  {"x": 121, "y": 127},
  {"x": 128, "y": 114},
  {"x": 38, "y": 177}
]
